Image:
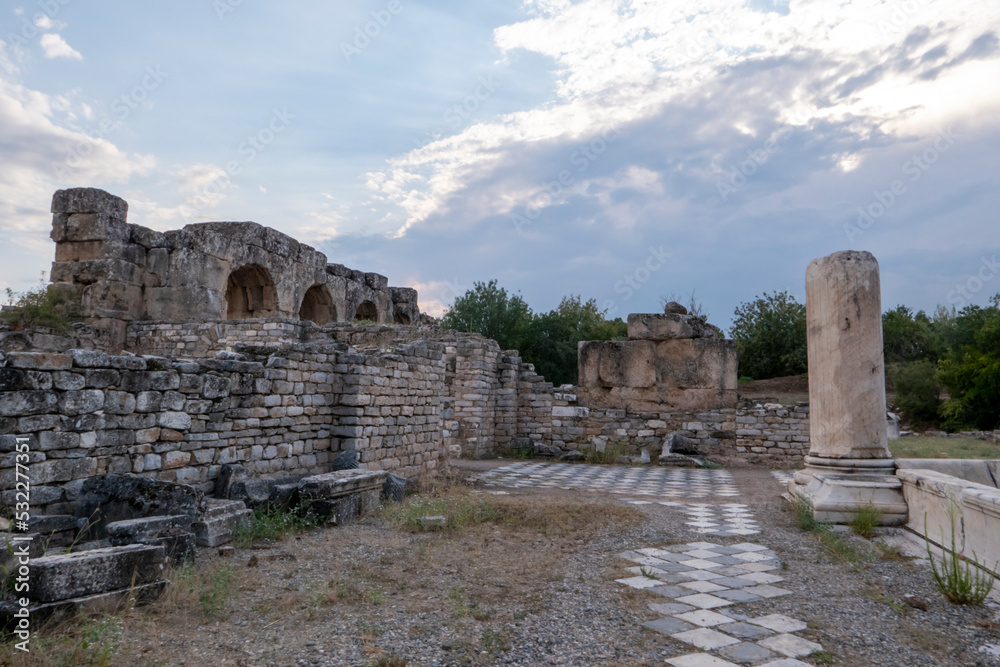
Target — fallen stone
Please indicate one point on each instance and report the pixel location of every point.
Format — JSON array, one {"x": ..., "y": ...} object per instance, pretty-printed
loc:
[
  {"x": 97, "y": 604},
  {"x": 572, "y": 455},
  {"x": 111, "y": 498},
  {"x": 394, "y": 488},
  {"x": 346, "y": 460},
  {"x": 227, "y": 552},
  {"x": 55, "y": 578},
  {"x": 220, "y": 520}
]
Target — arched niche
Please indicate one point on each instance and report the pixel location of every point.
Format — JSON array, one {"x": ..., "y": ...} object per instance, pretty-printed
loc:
[
  {"x": 250, "y": 292},
  {"x": 367, "y": 310},
  {"x": 317, "y": 306}
]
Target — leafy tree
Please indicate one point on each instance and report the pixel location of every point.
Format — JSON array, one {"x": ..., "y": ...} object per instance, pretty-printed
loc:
[
  {"x": 489, "y": 310},
  {"x": 908, "y": 337},
  {"x": 770, "y": 334},
  {"x": 971, "y": 371},
  {"x": 918, "y": 393},
  {"x": 553, "y": 337}
]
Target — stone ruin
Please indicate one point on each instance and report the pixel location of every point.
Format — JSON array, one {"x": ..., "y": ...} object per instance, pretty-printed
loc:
[
  {"x": 206, "y": 272},
  {"x": 226, "y": 366}
]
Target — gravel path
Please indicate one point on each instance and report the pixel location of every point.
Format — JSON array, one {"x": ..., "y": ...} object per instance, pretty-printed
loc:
[{"x": 499, "y": 598}]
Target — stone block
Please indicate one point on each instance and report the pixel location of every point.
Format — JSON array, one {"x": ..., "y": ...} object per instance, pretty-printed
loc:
[
  {"x": 221, "y": 518},
  {"x": 66, "y": 576},
  {"x": 109, "y": 498},
  {"x": 47, "y": 361}
]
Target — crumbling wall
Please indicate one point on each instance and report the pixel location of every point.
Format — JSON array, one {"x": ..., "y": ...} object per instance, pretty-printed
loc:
[
  {"x": 283, "y": 413},
  {"x": 204, "y": 272},
  {"x": 671, "y": 361}
]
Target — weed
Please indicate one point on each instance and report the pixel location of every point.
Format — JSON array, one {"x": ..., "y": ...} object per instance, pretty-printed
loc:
[
  {"x": 388, "y": 661},
  {"x": 804, "y": 517},
  {"x": 822, "y": 657},
  {"x": 711, "y": 465},
  {"x": 866, "y": 521},
  {"x": 46, "y": 306},
  {"x": 494, "y": 642},
  {"x": 646, "y": 573},
  {"x": 272, "y": 525},
  {"x": 213, "y": 599},
  {"x": 610, "y": 454},
  {"x": 961, "y": 585}
]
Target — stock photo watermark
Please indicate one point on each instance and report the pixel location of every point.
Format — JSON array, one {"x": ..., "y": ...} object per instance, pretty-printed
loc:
[
  {"x": 18, "y": 543},
  {"x": 634, "y": 281},
  {"x": 121, "y": 108},
  {"x": 581, "y": 158},
  {"x": 901, "y": 17},
  {"x": 914, "y": 168},
  {"x": 371, "y": 30},
  {"x": 39, "y": 22},
  {"x": 961, "y": 296},
  {"x": 248, "y": 150}
]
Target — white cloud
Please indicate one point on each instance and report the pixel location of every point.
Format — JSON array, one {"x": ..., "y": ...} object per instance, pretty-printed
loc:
[
  {"x": 620, "y": 62},
  {"x": 40, "y": 156},
  {"x": 55, "y": 46}
]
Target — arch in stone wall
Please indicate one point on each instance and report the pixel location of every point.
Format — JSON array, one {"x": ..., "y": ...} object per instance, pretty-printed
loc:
[
  {"x": 400, "y": 317},
  {"x": 317, "y": 306},
  {"x": 250, "y": 292},
  {"x": 367, "y": 310}
]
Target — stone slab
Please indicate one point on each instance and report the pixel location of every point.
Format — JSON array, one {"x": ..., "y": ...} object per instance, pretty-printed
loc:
[{"x": 74, "y": 575}]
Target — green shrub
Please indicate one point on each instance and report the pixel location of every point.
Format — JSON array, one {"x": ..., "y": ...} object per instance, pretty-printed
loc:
[
  {"x": 918, "y": 393},
  {"x": 961, "y": 585},
  {"x": 44, "y": 306}
]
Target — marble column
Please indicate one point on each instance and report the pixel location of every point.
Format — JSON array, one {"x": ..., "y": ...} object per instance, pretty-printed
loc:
[{"x": 849, "y": 465}]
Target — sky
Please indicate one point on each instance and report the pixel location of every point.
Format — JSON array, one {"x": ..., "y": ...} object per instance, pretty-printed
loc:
[{"x": 621, "y": 150}]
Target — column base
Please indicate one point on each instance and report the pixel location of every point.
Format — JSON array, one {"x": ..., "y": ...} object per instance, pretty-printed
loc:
[{"x": 837, "y": 489}]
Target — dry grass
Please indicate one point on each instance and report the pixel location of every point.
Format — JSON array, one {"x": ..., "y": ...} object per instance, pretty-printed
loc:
[
  {"x": 489, "y": 567},
  {"x": 921, "y": 447}
]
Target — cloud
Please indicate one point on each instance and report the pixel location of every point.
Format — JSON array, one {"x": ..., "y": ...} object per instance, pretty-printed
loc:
[
  {"x": 40, "y": 156},
  {"x": 54, "y": 46},
  {"x": 872, "y": 72}
]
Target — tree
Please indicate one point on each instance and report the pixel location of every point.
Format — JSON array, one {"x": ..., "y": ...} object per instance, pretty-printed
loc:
[
  {"x": 553, "y": 337},
  {"x": 907, "y": 337},
  {"x": 489, "y": 310},
  {"x": 971, "y": 371},
  {"x": 770, "y": 335},
  {"x": 918, "y": 393}
]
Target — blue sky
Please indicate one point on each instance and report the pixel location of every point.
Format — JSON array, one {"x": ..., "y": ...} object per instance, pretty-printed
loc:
[{"x": 616, "y": 149}]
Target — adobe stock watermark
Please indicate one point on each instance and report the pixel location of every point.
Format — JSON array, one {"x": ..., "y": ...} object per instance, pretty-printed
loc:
[
  {"x": 18, "y": 542},
  {"x": 914, "y": 168},
  {"x": 248, "y": 150},
  {"x": 961, "y": 296},
  {"x": 121, "y": 109},
  {"x": 223, "y": 7},
  {"x": 363, "y": 35},
  {"x": 635, "y": 280},
  {"x": 901, "y": 18},
  {"x": 740, "y": 173},
  {"x": 39, "y": 22},
  {"x": 458, "y": 114},
  {"x": 581, "y": 158}
]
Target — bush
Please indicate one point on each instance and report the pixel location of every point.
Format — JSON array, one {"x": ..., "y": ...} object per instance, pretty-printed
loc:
[
  {"x": 44, "y": 306},
  {"x": 918, "y": 393},
  {"x": 770, "y": 335},
  {"x": 909, "y": 337}
]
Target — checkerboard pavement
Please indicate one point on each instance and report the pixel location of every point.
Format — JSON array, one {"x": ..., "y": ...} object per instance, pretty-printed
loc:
[
  {"x": 783, "y": 476},
  {"x": 701, "y": 584},
  {"x": 650, "y": 481}
]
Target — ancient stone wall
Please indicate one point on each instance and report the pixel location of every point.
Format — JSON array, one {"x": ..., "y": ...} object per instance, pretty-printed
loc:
[
  {"x": 673, "y": 360},
  {"x": 282, "y": 414},
  {"x": 205, "y": 272}
]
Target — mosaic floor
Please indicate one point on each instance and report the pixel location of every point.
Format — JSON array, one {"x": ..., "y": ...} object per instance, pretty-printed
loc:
[
  {"x": 702, "y": 583},
  {"x": 647, "y": 481}
]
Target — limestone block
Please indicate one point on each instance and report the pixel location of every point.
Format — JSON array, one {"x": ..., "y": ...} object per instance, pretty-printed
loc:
[
  {"x": 642, "y": 326},
  {"x": 89, "y": 200},
  {"x": 39, "y": 360},
  {"x": 74, "y": 575},
  {"x": 81, "y": 402}
]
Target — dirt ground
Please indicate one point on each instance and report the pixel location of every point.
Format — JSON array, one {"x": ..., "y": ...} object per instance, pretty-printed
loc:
[{"x": 522, "y": 578}]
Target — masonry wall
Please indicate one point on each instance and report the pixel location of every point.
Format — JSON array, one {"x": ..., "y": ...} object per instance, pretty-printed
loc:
[{"x": 287, "y": 413}]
